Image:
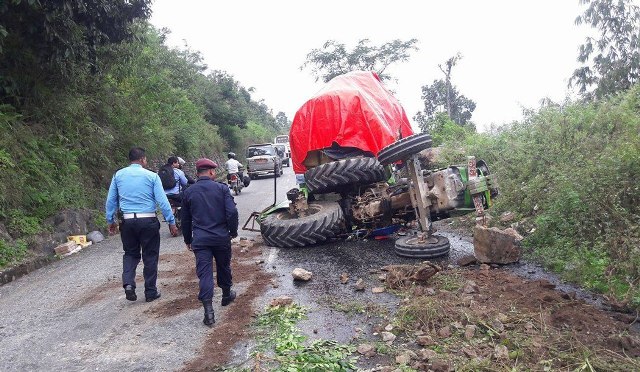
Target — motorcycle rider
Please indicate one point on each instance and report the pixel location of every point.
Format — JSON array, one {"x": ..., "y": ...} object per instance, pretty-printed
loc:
[
  {"x": 174, "y": 194},
  {"x": 233, "y": 166},
  {"x": 181, "y": 162}
]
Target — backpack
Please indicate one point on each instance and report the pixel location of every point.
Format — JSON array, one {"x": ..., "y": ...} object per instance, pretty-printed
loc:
[{"x": 166, "y": 176}]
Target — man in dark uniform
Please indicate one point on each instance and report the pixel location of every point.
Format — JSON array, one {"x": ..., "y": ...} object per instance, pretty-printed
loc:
[
  {"x": 137, "y": 191},
  {"x": 209, "y": 222}
]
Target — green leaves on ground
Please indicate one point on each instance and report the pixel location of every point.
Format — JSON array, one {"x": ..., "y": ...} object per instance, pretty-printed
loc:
[{"x": 284, "y": 348}]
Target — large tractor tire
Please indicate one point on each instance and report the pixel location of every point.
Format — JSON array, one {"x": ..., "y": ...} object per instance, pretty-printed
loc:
[
  {"x": 324, "y": 220},
  {"x": 405, "y": 148},
  {"x": 432, "y": 247},
  {"x": 337, "y": 175}
]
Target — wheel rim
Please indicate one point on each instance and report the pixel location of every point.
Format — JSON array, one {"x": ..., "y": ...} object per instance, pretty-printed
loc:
[
  {"x": 285, "y": 215},
  {"x": 416, "y": 241}
]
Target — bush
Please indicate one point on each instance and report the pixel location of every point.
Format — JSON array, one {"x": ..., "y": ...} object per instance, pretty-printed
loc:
[
  {"x": 10, "y": 254},
  {"x": 573, "y": 171}
]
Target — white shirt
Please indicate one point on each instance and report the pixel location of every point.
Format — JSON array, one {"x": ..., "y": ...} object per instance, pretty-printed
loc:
[{"x": 233, "y": 165}]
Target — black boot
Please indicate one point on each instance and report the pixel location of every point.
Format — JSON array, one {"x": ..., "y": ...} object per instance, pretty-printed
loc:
[
  {"x": 208, "y": 313},
  {"x": 130, "y": 292},
  {"x": 227, "y": 296}
]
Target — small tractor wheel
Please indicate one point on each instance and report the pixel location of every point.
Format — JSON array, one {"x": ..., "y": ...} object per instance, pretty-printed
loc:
[{"x": 432, "y": 247}]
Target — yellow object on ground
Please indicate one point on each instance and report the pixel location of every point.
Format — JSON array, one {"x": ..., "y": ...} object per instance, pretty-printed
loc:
[{"x": 79, "y": 239}]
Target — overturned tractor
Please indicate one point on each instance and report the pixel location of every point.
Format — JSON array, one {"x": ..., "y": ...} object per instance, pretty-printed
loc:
[
  {"x": 368, "y": 194},
  {"x": 359, "y": 171}
]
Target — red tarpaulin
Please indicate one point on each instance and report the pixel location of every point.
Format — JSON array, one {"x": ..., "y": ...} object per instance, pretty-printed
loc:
[{"x": 352, "y": 110}]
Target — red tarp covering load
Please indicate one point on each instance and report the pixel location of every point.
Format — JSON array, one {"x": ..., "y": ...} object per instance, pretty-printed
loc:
[{"x": 352, "y": 110}]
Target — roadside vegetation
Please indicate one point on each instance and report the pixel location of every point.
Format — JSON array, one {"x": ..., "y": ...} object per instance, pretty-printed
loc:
[
  {"x": 568, "y": 172},
  {"x": 80, "y": 84}
]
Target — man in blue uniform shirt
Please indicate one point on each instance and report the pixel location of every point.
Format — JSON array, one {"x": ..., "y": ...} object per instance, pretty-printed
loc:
[
  {"x": 209, "y": 222},
  {"x": 137, "y": 191}
]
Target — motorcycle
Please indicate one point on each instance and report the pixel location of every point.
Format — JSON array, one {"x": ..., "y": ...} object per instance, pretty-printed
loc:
[
  {"x": 175, "y": 209},
  {"x": 236, "y": 183}
]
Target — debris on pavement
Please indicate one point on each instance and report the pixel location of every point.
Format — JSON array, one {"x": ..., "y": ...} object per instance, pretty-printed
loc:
[
  {"x": 281, "y": 301},
  {"x": 301, "y": 274},
  {"x": 344, "y": 278},
  {"x": 400, "y": 276},
  {"x": 95, "y": 236}
]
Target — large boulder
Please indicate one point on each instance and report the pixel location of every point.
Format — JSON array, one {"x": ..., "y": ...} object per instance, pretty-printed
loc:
[{"x": 493, "y": 245}]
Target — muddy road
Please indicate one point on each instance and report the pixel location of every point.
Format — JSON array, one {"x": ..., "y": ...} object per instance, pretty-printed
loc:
[{"x": 72, "y": 314}]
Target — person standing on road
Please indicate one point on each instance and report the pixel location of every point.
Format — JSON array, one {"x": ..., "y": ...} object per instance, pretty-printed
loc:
[
  {"x": 137, "y": 191},
  {"x": 209, "y": 222}
]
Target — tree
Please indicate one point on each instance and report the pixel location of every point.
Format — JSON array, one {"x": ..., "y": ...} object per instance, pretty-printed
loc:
[
  {"x": 442, "y": 96},
  {"x": 334, "y": 59},
  {"x": 611, "y": 63},
  {"x": 42, "y": 42},
  {"x": 282, "y": 121}
]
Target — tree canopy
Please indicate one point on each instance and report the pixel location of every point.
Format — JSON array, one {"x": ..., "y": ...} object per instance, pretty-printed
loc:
[
  {"x": 611, "y": 62},
  {"x": 74, "y": 115},
  {"x": 442, "y": 97},
  {"x": 282, "y": 121},
  {"x": 58, "y": 39},
  {"x": 335, "y": 59}
]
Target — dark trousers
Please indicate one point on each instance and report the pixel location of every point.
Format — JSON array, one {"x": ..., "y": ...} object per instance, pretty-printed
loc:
[
  {"x": 204, "y": 268},
  {"x": 141, "y": 235}
]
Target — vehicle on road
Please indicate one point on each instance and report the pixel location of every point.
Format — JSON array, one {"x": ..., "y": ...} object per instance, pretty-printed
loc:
[
  {"x": 176, "y": 208},
  {"x": 284, "y": 154},
  {"x": 262, "y": 160},
  {"x": 236, "y": 183},
  {"x": 361, "y": 174}
]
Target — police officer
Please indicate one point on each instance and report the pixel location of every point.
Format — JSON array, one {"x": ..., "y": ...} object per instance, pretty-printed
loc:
[
  {"x": 137, "y": 191},
  {"x": 209, "y": 221}
]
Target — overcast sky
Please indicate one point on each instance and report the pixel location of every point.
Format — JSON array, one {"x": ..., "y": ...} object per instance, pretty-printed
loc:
[{"x": 515, "y": 52}]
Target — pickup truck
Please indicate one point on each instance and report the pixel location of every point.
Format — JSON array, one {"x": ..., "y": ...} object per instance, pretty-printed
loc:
[{"x": 262, "y": 160}]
